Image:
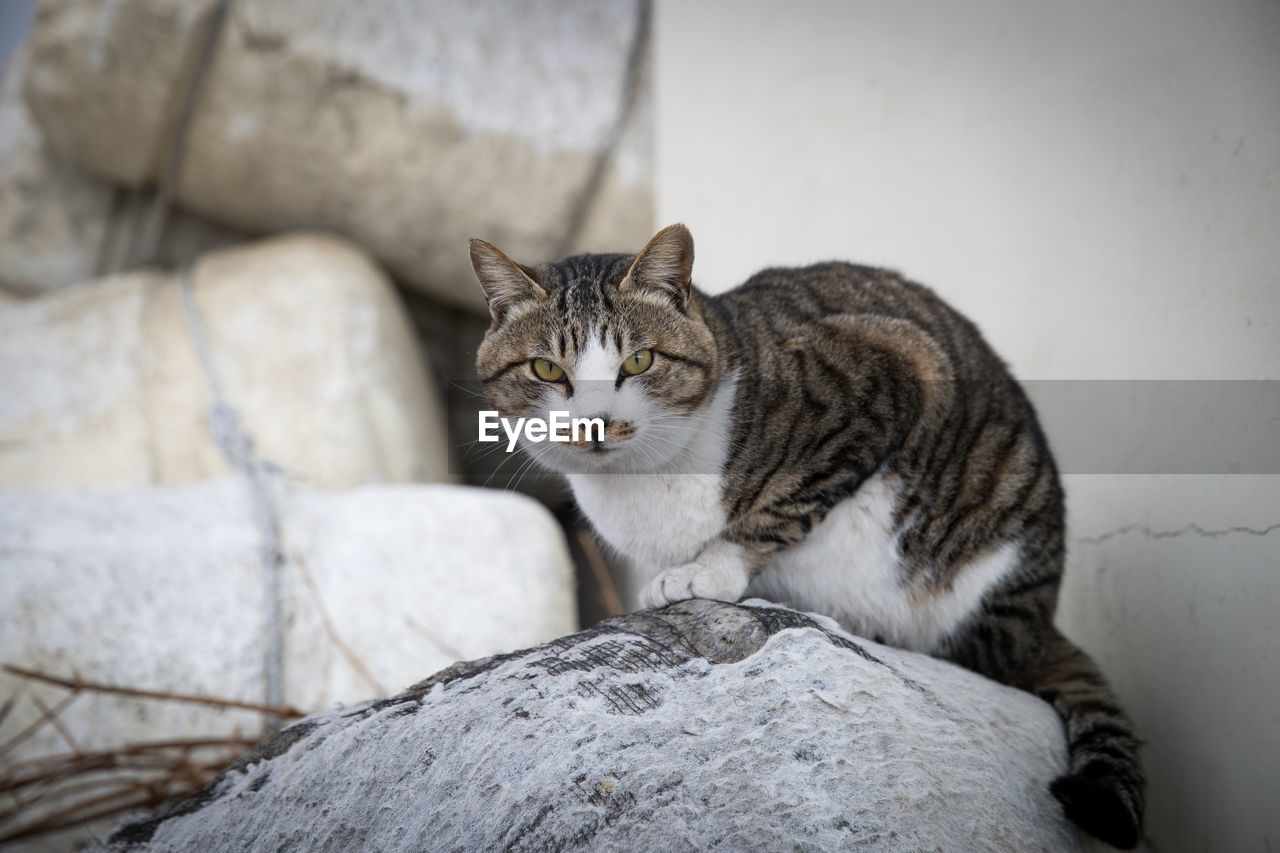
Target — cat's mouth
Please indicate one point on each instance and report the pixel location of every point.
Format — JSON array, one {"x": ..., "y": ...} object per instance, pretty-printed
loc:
[{"x": 593, "y": 446}]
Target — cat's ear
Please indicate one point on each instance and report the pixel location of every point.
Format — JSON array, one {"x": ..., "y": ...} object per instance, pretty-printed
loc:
[
  {"x": 664, "y": 264},
  {"x": 505, "y": 282}
]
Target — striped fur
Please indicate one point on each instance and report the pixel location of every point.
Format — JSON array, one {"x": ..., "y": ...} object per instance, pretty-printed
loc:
[{"x": 871, "y": 456}]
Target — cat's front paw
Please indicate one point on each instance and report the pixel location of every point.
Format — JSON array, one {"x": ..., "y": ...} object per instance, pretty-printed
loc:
[{"x": 722, "y": 579}]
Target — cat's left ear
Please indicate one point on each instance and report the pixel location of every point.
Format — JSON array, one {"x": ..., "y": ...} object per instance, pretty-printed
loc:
[
  {"x": 505, "y": 282},
  {"x": 664, "y": 264}
]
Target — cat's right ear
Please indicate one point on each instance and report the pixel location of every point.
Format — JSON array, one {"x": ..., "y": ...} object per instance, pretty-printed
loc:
[
  {"x": 506, "y": 283},
  {"x": 665, "y": 264}
]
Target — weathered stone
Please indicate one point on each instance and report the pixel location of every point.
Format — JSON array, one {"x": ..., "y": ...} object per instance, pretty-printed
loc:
[
  {"x": 701, "y": 726},
  {"x": 163, "y": 589},
  {"x": 53, "y": 217},
  {"x": 104, "y": 387},
  {"x": 408, "y": 127},
  {"x": 60, "y": 225},
  {"x": 105, "y": 77}
]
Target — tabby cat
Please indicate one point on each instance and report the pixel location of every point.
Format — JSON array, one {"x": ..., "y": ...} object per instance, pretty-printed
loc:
[{"x": 833, "y": 437}]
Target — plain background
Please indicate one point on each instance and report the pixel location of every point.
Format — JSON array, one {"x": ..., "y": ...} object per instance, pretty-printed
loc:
[{"x": 1095, "y": 183}]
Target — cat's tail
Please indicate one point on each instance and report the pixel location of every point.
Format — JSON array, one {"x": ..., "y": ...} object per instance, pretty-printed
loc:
[{"x": 1102, "y": 790}]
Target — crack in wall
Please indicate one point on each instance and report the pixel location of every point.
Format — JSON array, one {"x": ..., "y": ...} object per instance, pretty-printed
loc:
[{"x": 1192, "y": 528}]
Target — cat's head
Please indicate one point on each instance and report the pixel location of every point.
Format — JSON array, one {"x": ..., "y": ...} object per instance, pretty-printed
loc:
[{"x": 616, "y": 337}]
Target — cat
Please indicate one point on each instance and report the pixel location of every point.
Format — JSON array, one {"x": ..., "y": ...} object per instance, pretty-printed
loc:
[{"x": 832, "y": 437}]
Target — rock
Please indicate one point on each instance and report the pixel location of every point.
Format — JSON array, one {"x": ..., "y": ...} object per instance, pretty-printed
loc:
[
  {"x": 163, "y": 589},
  {"x": 704, "y": 725},
  {"x": 408, "y": 127},
  {"x": 53, "y": 217},
  {"x": 109, "y": 102},
  {"x": 103, "y": 386},
  {"x": 60, "y": 225}
]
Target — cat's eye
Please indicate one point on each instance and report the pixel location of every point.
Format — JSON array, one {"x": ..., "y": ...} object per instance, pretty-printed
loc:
[
  {"x": 548, "y": 371},
  {"x": 637, "y": 362}
]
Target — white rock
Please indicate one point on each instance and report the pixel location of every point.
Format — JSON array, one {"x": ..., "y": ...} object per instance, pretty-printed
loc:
[
  {"x": 103, "y": 387},
  {"x": 705, "y": 725},
  {"x": 162, "y": 588},
  {"x": 409, "y": 127},
  {"x": 103, "y": 76},
  {"x": 53, "y": 217},
  {"x": 59, "y": 225}
]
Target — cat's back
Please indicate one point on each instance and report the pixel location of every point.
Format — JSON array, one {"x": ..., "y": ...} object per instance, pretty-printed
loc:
[
  {"x": 854, "y": 376},
  {"x": 778, "y": 302}
]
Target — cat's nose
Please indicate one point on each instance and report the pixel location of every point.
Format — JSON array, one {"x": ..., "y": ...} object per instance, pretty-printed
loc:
[{"x": 616, "y": 431}]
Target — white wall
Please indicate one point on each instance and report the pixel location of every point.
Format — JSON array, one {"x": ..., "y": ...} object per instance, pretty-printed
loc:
[{"x": 1097, "y": 184}]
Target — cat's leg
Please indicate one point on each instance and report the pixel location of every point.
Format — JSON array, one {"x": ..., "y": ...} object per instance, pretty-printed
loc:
[
  {"x": 721, "y": 571},
  {"x": 1016, "y": 643}
]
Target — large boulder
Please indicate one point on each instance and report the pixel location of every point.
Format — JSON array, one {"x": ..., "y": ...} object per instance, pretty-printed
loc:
[
  {"x": 164, "y": 589},
  {"x": 60, "y": 225},
  {"x": 103, "y": 384},
  {"x": 701, "y": 726},
  {"x": 53, "y": 217},
  {"x": 409, "y": 127}
]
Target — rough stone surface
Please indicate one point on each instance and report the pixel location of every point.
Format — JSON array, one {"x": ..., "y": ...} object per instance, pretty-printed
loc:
[
  {"x": 105, "y": 75},
  {"x": 53, "y": 217},
  {"x": 163, "y": 589},
  {"x": 61, "y": 226},
  {"x": 103, "y": 386},
  {"x": 701, "y": 726},
  {"x": 409, "y": 127}
]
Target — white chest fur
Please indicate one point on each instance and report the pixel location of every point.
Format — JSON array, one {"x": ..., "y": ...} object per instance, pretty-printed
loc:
[
  {"x": 656, "y": 520},
  {"x": 663, "y": 520},
  {"x": 849, "y": 568}
]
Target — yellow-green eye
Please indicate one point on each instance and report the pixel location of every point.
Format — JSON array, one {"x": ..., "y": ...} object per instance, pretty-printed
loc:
[
  {"x": 547, "y": 370},
  {"x": 637, "y": 362}
]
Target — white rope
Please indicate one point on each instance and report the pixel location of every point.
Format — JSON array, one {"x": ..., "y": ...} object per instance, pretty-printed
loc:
[
  {"x": 228, "y": 433},
  {"x": 236, "y": 444},
  {"x": 145, "y": 247}
]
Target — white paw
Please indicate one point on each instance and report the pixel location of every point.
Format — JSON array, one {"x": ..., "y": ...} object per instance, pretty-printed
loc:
[{"x": 725, "y": 580}]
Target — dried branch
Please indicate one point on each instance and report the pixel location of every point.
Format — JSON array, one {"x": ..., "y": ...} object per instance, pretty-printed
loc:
[
  {"x": 352, "y": 658},
  {"x": 142, "y": 755},
  {"x": 44, "y": 718},
  {"x": 83, "y": 812},
  {"x": 78, "y": 684},
  {"x": 63, "y": 791},
  {"x": 56, "y": 792},
  {"x": 57, "y": 725},
  {"x": 433, "y": 638},
  {"x": 608, "y": 590}
]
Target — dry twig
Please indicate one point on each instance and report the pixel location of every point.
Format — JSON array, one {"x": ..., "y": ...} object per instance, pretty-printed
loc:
[
  {"x": 608, "y": 590},
  {"x": 334, "y": 637},
  {"x": 433, "y": 638},
  {"x": 65, "y": 791},
  {"x": 44, "y": 718},
  {"x": 77, "y": 683}
]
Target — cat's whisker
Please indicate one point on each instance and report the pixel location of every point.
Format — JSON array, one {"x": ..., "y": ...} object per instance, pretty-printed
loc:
[
  {"x": 534, "y": 454},
  {"x": 468, "y": 390},
  {"x": 519, "y": 476},
  {"x": 497, "y": 470}
]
